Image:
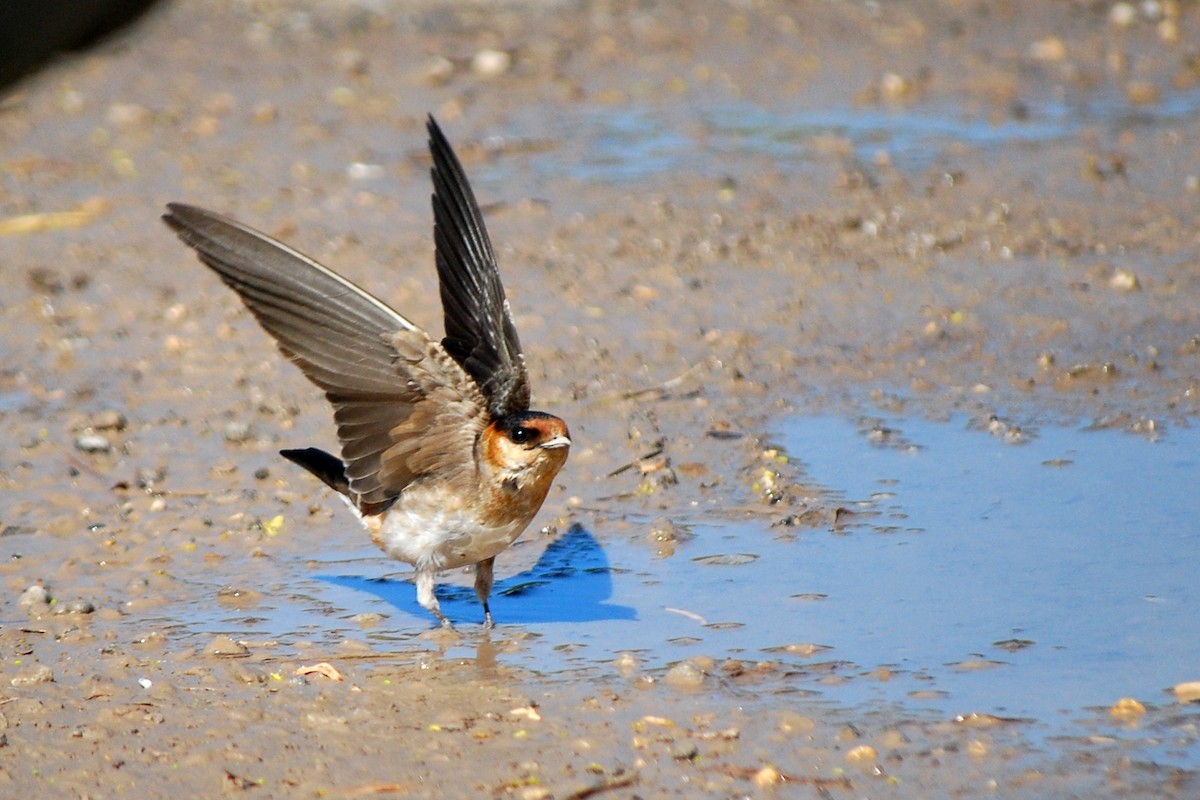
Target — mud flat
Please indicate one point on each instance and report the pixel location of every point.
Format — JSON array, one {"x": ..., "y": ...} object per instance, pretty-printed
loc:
[{"x": 788, "y": 269}]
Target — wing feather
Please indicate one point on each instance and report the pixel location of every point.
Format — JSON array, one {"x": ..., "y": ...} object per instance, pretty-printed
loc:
[
  {"x": 480, "y": 334},
  {"x": 397, "y": 395}
]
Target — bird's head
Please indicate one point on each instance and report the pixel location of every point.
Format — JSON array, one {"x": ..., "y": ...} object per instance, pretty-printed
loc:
[{"x": 526, "y": 442}]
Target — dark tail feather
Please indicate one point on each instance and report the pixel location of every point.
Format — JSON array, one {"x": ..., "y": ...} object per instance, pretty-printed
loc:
[{"x": 329, "y": 468}]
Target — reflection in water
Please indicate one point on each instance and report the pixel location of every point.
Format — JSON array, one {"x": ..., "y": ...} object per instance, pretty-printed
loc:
[{"x": 571, "y": 582}]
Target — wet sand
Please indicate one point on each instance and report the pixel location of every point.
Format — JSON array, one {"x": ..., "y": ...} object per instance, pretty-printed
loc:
[{"x": 705, "y": 222}]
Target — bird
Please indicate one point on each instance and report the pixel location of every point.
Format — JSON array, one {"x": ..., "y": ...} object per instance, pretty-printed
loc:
[{"x": 442, "y": 459}]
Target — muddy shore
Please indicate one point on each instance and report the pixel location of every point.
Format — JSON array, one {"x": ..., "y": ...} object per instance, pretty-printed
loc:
[{"x": 705, "y": 222}]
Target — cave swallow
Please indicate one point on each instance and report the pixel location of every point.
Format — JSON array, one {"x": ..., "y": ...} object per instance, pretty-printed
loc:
[{"x": 441, "y": 457}]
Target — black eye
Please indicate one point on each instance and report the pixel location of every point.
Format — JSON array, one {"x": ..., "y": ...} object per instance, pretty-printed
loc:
[{"x": 522, "y": 435}]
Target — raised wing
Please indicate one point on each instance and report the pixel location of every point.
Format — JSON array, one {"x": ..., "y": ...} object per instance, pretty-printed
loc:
[
  {"x": 380, "y": 372},
  {"x": 479, "y": 330}
]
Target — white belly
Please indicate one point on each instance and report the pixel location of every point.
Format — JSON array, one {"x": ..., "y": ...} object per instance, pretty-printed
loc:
[{"x": 425, "y": 530}]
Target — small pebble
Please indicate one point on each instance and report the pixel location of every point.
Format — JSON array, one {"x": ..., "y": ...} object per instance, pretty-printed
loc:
[
  {"x": 767, "y": 777},
  {"x": 1122, "y": 15},
  {"x": 526, "y": 712},
  {"x": 1127, "y": 708},
  {"x": 659, "y": 476},
  {"x": 626, "y": 664},
  {"x": 981, "y": 721},
  {"x": 684, "y": 675},
  {"x": 238, "y": 431},
  {"x": 236, "y": 597},
  {"x": 108, "y": 420},
  {"x": 1125, "y": 281},
  {"x": 93, "y": 443},
  {"x": 893, "y": 86},
  {"x": 34, "y": 595},
  {"x": 147, "y": 477},
  {"x": 354, "y": 647},
  {"x": 224, "y": 646},
  {"x": 664, "y": 535},
  {"x": 791, "y": 722},
  {"x": 439, "y": 71},
  {"x": 688, "y": 751},
  {"x": 360, "y": 171},
  {"x": 663, "y": 530},
  {"x": 75, "y": 607},
  {"x": 42, "y": 674},
  {"x": 863, "y": 755},
  {"x": 490, "y": 63},
  {"x": 1187, "y": 692}
]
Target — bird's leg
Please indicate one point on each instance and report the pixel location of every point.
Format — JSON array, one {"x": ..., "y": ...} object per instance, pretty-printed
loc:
[
  {"x": 427, "y": 598},
  {"x": 484, "y": 578}
]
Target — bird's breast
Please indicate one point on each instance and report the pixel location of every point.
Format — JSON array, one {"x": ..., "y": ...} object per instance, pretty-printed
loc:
[{"x": 439, "y": 527}]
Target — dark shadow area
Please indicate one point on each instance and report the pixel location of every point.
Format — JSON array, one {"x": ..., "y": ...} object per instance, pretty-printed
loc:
[
  {"x": 571, "y": 582},
  {"x": 33, "y": 32}
]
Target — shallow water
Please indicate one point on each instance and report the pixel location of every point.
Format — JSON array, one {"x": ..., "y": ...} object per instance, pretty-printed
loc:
[
  {"x": 1038, "y": 580},
  {"x": 629, "y": 143},
  {"x": 1081, "y": 543}
]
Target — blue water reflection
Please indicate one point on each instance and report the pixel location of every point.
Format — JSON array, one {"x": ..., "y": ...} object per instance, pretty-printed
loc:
[{"x": 571, "y": 582}]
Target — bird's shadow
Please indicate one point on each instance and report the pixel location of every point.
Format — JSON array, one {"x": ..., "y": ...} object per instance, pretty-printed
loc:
[{"x": 571, "y": 582}]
